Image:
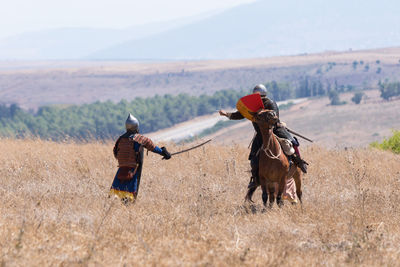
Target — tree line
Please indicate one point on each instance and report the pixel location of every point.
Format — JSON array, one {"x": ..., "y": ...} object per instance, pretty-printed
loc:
[
  {"x": 389, "y": 89},
  {"x": 106, "y": 119},
  {"x": 103, "y": 120}
]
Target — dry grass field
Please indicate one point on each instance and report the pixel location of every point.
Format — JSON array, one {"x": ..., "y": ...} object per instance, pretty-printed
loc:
[{"x": 190, "y": 210}]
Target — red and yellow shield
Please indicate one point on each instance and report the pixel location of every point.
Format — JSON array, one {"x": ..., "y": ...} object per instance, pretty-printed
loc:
[{"x": 248, "y": 104}]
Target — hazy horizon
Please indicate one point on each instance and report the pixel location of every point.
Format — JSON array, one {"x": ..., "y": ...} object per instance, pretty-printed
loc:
[
  {"x": 24, "y": 16},
  {"x": 177, "y": 30}
]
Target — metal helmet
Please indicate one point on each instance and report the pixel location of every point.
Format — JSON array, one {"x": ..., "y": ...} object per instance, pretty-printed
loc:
[
  {"x": 132, "y": 124},
  {"x": 260, "y": 88}
]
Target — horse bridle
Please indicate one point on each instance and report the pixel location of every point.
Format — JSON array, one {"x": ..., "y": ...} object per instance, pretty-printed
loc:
[{"x": 267, "y": 150}]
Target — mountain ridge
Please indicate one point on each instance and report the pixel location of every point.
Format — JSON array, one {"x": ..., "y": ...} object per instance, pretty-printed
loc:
[
  {"x": 74, "y": 43},
  {"x": 266, "y": 28}
]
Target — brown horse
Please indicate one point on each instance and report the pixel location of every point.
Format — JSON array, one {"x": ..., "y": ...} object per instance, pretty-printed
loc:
[{"x": 274, "y": 165}]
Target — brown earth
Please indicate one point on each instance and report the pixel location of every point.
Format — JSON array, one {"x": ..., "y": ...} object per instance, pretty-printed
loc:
[
  {"x": 348, "y": 125},
  {"x": 190, "y": 211},
  {"x": 33, "y": 84}
]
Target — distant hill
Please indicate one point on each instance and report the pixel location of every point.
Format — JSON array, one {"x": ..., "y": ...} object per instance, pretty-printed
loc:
[
  {"x": 260, "y": 29},
  {"x": 76, "y": 43},
  {"x": 271, "y": 28},
  {"x": 32, "y": 84}
]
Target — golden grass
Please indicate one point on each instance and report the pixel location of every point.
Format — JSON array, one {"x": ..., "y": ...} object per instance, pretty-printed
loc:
[{"x": 55, "y": 210}]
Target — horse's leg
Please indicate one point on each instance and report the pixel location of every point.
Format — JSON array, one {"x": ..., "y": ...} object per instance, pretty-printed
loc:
[
  {"x": 250, "y": 193},
  {"x": 264, "y": 194},
  {"x": 271, "y": 191},
  {"x": 282, "y": 184},
  {"x": 297, "y": 179}
]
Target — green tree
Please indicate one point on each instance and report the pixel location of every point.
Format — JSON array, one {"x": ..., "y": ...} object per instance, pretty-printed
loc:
[
  {"x": 357, "y": 97},
  {"x": 392, "y": 143},
  {"x": 320, "y": 88},
  {"x": 304, "y": 87},
  {"x": 389, "y": 90},
  {"x": 334, "y": 98}
]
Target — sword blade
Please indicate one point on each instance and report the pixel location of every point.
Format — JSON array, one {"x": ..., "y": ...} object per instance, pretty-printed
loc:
[{"x": 191, "y": 148}]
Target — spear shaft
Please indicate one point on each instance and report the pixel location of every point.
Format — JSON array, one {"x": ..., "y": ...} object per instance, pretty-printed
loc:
[{"x": 299, "y": 135}]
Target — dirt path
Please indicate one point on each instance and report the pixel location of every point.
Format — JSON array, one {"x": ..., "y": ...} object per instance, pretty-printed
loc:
[{"x": 186, "y": 129}]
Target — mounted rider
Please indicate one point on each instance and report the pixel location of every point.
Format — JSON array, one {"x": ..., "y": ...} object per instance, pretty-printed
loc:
[
  {"x": 128, "y": 150},
  {"x": 279, "y": 130}
]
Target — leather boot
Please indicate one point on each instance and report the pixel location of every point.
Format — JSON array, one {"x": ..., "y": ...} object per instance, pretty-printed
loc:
[
  {"x": 252, "y": 183},
  {"x": 302, "y": 164},
  {"x": 254, "y": 180}
]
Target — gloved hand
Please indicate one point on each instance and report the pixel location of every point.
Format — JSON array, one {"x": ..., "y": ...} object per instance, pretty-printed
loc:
[
  {"x": 165, "y": 153},
  {"x": 281, "y": 124},
  {"x": 223, "y": 113}
]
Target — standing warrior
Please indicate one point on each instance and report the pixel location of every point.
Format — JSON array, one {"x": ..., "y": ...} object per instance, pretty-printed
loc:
[
  {"x": 279, "y": 130},
  {"x": 128, "y": 150}
]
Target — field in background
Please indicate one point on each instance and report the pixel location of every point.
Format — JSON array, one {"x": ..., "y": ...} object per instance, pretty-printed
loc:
[
  {"x": 55, "y": 209},
  {"x": 34, "y": 84}
]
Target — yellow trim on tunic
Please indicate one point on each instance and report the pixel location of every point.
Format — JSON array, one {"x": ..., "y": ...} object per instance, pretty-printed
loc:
[
  {"x": 123, "y": 194},
  {"x": 288, "y": 198}
]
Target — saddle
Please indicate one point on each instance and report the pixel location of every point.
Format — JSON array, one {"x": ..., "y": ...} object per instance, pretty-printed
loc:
[
  {"x": 288, "y": 149},
  {"x": 286, "y": 145}
]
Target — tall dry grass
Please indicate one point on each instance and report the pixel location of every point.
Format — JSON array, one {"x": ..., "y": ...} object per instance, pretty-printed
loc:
[{"x": 55, "y": 210}]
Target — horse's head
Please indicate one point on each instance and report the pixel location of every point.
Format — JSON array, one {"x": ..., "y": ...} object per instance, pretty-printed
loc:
[{"x": 265, "y": 116}]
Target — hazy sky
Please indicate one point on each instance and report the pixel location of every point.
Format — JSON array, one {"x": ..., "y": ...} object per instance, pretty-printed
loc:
[{"x": 18, "y": 16}]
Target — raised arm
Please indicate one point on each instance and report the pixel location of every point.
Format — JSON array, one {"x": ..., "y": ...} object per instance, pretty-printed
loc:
[{"x": 231, "y": 115}]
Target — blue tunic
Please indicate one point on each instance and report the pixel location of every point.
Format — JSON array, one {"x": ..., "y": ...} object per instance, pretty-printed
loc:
[{"x": 127, "y": 190}]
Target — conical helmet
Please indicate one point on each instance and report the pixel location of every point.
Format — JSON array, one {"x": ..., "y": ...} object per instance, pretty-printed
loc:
[
  {"x": 260, "y": 88},
  {"x": 132, "y": 124}
]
